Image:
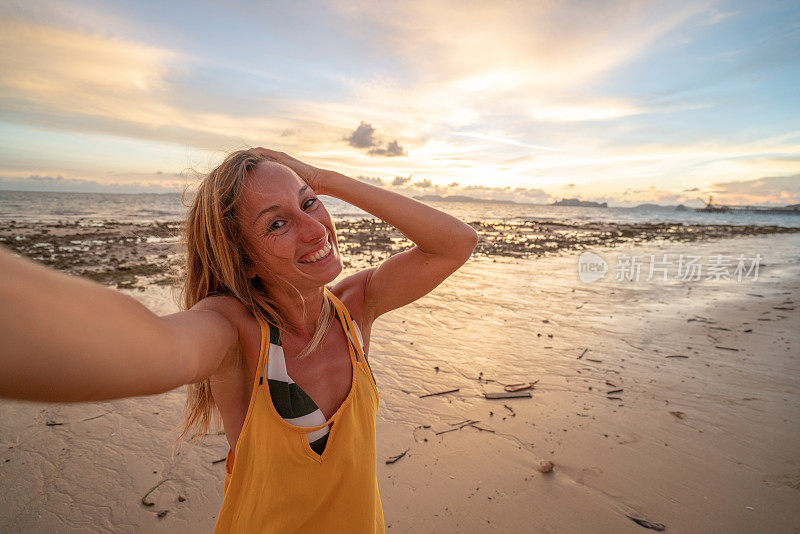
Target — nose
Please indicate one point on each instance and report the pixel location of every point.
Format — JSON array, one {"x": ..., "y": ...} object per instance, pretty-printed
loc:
[{"x": 311, "y": 229}]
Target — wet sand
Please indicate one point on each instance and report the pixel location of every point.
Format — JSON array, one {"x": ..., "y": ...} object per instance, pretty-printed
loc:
[
  {"x": 702, "y": 438},
  {"x": 138, "y": 255}
]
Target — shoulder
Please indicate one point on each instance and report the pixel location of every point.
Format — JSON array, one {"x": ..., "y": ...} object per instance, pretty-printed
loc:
[
  {"x": 229, "y": 307},
  {"x": 234, "y": 312},
  {"x": 247, "y": 327},
  {"x": 350, "y": 291}
]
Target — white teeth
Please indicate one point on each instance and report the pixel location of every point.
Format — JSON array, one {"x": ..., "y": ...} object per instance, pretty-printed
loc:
[{"x": 323, "y": 252}]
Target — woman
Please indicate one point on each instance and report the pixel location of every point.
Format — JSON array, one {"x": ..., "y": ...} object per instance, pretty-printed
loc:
[{"x": 282, "y": 357}]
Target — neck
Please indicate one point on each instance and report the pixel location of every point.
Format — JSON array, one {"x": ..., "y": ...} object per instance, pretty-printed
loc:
[{"x": 291, "y": 308}]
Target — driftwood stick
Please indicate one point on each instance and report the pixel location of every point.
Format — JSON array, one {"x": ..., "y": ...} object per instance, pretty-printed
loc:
[
  {"x": 438, "y": 393},
  {"x": 459, "y": 427},
  {"x": 96, "y": 416},
  {"x": 507, "y": 395}
]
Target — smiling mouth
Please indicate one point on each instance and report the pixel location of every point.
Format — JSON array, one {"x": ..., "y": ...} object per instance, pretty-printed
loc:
[{"x": 321, "y": 254}]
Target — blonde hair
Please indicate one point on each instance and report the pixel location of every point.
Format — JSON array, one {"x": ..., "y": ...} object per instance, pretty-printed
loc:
[{"x": 216, "y": 264}]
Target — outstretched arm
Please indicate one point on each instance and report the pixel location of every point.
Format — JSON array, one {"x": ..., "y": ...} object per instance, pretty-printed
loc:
[
  {"x": 443, "y": 243},
  {"x": 66, "y": 339}
]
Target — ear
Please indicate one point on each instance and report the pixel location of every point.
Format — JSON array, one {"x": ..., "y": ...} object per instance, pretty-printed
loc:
[{"x": 250, "y": 270}]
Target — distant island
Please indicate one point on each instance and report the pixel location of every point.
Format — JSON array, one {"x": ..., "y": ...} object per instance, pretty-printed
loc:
[
  {"x": 574, "y": 202},
  {"x": 460, "y": 198},
  {"x": 649, "y": 206}
]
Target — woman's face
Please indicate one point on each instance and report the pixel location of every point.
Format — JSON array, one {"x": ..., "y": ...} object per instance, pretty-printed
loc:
[{"x": 288, "y": 231}]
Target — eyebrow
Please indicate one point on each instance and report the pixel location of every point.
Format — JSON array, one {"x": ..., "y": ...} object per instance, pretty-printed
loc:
[{"x": 275, "y": 206}]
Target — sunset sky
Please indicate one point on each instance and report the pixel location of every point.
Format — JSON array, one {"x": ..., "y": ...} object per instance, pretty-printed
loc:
[{"x": 624, "y": 102}]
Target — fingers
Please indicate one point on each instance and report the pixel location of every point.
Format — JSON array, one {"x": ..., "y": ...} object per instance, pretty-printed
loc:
[
  {"x": 274, "y": 154},
  {"x": 265, "y": 153}
]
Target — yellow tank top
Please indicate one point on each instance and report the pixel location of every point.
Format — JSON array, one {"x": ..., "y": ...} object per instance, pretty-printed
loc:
[{"x": 275, "y": 482}]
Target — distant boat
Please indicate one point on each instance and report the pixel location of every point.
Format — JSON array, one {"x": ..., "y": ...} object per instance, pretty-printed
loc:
[{"x": 710, "y": 207}]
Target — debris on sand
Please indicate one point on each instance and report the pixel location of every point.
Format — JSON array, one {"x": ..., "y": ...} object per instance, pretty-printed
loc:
[
  {"x": 522, "y": 386},
  {"x": 458, "y": 426},
  {"x": 98, "y": 416},
  {"x": 679, "y": 415},
  {"x": 507, "y": 395},
  {"x": 393, "y": 459},
  {"x": 545, "y": 466},
  {"x": 439, "y": 393},
  {"x": 646, "y": 524},
  {"x": 151, "y": 490}
]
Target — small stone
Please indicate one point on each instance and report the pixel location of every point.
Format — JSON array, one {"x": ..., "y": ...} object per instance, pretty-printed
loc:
[{"x": 545, "y": 466}]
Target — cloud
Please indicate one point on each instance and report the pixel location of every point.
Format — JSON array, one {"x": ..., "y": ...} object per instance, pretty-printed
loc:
[
  {"x": 518, "y": 194},
  {"x": 716, "y": 16},
  {"x": 781, "y": 190},
  {"x": 458, "y": 66},
  {"x": 501, "y": 139},
  {"x": 76, "y": 81},
  {"x": 527, "y": 94},
  {"x": 78, "y": 185},
  {"x": 392, "y": 149},
  {"x": 363, "y": 136},
  {"x": 370, "y": 180},
  {"x": 403, "y": 184}
]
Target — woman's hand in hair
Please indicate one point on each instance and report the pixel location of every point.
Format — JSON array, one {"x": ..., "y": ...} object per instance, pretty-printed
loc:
[{"x": 311, "y": 175}]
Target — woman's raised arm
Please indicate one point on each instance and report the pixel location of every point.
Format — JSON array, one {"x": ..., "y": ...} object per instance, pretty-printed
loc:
[{"x": 66, "y": 339}]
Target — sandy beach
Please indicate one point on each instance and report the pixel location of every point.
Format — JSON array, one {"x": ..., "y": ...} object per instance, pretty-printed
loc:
[{"x": 702, "y": 437}]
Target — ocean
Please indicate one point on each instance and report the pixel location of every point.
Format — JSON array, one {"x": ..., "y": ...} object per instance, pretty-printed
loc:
[{"x": 27, "y": 206}]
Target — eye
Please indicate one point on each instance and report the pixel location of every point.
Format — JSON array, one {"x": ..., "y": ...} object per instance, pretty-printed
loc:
[
  {"x": 313, "y": 201},
  {"x": 273, "y": 227}
]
